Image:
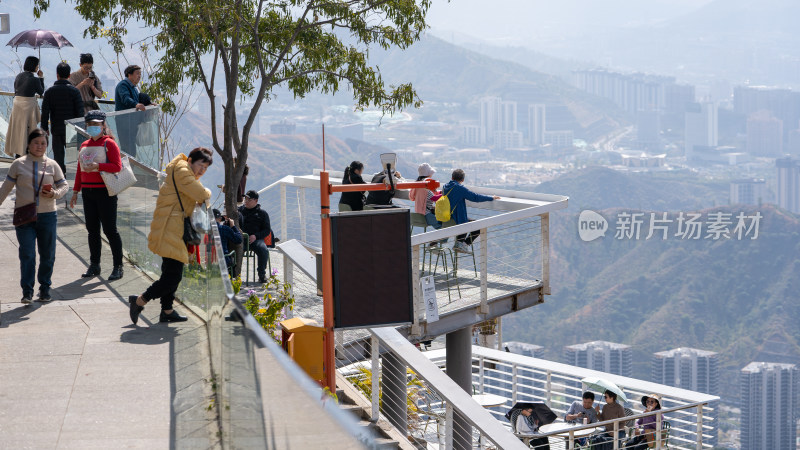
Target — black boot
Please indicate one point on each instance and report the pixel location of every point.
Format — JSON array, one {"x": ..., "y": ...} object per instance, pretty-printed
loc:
[
  {"x": 135, "y": 309},
  {"x": 172, "y": 317},
  {"x": 116, "y": 274},
  {"x": 92, "y": 271}
]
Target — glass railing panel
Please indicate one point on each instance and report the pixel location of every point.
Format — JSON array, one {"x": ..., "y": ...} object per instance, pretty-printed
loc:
[{"x": 136, "y": 133}]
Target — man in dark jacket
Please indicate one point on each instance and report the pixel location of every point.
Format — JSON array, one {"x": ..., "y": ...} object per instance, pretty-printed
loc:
[
  {"x": 255, "y": 222},
  {"x": 61, "y": 102}
]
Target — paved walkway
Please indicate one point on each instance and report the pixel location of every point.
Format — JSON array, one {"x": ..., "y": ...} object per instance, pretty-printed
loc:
[{"x": 75, "y": 373}]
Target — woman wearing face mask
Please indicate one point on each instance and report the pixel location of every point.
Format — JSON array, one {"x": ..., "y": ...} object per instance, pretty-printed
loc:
[
  {"x": 181, "y": 190},
  {"x": 38, "y": 180},
  {"x": 98, "y": 154}
]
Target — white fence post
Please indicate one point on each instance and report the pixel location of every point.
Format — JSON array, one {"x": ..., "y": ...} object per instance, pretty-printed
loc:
[
  {"x": 481, "y": 374},
  {"x": 417, "y": 301},
  {"x": 514, "y": 383},
  {"x": 375, "y": 354},
  {"x": 545, "y": 224},
  {"x": 448, "y": 428},
  {"x": 284, "y": 219},
  {"x": 483, "y": 264},
  {"x": 301, "y": 209},
  {"x": 548, "y": 389},
  {"x": 699, "y": 427}
]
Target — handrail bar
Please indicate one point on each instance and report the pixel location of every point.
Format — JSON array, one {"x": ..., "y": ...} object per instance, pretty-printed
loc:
[
  {"x": 98, "y": 100},
  {"x": 447, "y": 388},
  {"x": 543, "y": 364},
  {"x": 525, "y": 208}
]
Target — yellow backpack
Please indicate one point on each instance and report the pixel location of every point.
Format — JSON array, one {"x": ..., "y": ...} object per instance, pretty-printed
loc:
[{"x": 442, "y": 208}]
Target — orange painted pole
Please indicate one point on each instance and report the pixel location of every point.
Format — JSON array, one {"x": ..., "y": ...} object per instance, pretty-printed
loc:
[{"x": 329, "y": 364}]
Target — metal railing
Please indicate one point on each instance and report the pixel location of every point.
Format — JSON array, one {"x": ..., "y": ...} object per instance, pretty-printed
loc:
[
  {"x": 510, "y": 258},
  {"x": 517, "y": 378},
  {"x": 410, "y": 392}
]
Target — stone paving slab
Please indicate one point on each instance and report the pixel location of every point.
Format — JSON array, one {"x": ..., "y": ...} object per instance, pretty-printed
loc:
[{"x": 76, "y": 374}]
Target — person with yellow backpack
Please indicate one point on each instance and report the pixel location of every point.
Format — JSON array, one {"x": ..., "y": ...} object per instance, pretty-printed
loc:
[{"x": 456, "y": 195}]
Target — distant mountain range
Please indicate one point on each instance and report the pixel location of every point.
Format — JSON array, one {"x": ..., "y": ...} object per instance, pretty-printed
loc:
[{"x": 735, "y": 297}]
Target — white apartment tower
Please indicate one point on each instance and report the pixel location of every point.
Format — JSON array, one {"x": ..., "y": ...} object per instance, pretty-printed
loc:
[
  {"x": 536, "y": 124},
  {"x": 788, "y": 184},
  {"x": 687, "y": 368},
  {"x": 601, "y": 355},
  {"x": 497, "y": 115},
  {"x": 769, "y": 403},
  {"x": 702, "y": 127}
]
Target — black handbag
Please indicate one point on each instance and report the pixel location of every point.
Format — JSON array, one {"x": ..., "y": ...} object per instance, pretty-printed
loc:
[
  {"x": 28, "y": 213},
  {"x": 190, "y": 235}
]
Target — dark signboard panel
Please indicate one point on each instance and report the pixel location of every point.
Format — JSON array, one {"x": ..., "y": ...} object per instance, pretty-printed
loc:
[{"x": 372, "y": 268}]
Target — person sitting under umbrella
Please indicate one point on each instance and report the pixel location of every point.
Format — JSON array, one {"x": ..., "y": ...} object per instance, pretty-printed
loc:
[
  {"x": 526, "y": 418},
  {"x": 612, "y": 410}
]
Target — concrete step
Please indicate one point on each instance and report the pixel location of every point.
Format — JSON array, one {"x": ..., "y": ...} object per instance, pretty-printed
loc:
[
  {"x": 353, "y": 409},
  {"x": 387, "y": 444}
]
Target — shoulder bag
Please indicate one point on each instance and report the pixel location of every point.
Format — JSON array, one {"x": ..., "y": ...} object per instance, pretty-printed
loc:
[
  {"x": 190, "y": 235},
  {"x": 28, "y": 213},
  {"x": 118, "y": 182}
]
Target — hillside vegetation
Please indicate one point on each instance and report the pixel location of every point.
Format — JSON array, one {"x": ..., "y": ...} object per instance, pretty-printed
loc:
[{"x": 735, "y": 297}]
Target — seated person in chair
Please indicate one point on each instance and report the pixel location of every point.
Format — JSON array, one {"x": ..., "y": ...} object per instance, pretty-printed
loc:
[
  {"x": 526, "y": 424},
  {"x": 457, "y": 194},
  {"x": 227, "y": 233},
  {"x": 612, "y": 410},
  {"x": 422, "y": 197},
  {"x": 580, "y": 409},
  {"x": 255, "y": 222},
  {"x": 646, "y": 426}
]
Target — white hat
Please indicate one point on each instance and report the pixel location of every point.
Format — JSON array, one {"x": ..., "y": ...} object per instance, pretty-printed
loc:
[{"x": 425, "y": 170}]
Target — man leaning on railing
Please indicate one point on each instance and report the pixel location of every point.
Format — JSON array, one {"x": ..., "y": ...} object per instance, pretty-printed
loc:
[{"x": 126, "y": 96}]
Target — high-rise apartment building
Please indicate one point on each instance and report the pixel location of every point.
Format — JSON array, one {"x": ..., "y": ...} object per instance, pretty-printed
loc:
[
  {"x": 769, "y": 404},
  {"x": 701, "y": 127},
  {"x": 748, "y": 191},
  {"x": 472, "y": 135},
  {"x": 692, "y": 369},
  {"x": 507, "y": 139},
  {"x": 490, "y": 117},
  {"x": 687, "y": 368},
  {"x": 536, "y": 124},
  {"x": 783, "y": 104},
  {"x": 508, "y": 116},
  {"x": 601, "y": 355},
  {"x": 788, "y": 184},
  {"x": 636, "y": 92},
  {"x": 764, "y": 134}
]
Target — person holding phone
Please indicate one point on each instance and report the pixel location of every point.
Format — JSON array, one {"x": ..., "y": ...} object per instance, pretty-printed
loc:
[
  {"x": 87, "y": 83},
  {"x": 38, "y": 180}
]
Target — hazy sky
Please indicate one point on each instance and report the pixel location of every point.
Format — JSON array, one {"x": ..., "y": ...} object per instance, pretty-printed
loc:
[{"x": 536, "y": 22}]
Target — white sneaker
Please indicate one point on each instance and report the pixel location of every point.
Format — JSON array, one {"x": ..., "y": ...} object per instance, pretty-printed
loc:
[
  {"x": 460, "y": 247},
  {"x": 26, "y": 299}
]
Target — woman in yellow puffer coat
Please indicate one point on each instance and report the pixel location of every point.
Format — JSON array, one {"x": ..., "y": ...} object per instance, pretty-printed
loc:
[{"x": 166, "y": 230}]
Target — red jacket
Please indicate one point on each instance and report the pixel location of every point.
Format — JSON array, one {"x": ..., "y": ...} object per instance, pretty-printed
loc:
[{"x": 113, "y": 164}]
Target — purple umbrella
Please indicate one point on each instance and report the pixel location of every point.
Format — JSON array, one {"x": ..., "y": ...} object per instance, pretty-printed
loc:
[{"x": 38, "y": 39}]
